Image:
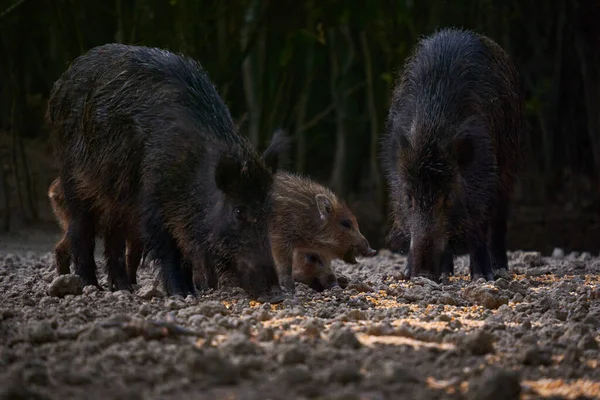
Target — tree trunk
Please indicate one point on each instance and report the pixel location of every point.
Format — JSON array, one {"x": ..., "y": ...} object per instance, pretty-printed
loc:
[
  {"x": 338, "y": 80},
  {"x": 590, "y": 65},
  {"x": 302, "y": 106},
  {"x": 252, "y": 71},
  {"x": 375, "y": 175}
]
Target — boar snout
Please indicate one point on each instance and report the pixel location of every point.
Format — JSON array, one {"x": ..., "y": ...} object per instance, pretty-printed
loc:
[{"x": 364, "y": 249}]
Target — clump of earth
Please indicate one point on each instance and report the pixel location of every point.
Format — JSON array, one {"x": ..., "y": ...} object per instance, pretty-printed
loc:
[{"x": 534, "y": 335}]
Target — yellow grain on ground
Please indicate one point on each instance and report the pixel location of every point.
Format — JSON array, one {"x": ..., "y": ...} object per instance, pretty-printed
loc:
[
  {"x": 568, "y": 390},
  {"x": 228, "y": 303},
  {"x": 450, "y": 386},
  {"x": 370, "y": 341}
]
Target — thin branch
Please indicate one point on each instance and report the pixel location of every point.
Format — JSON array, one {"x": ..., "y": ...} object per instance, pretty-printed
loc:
[
  {"x": 11, "y": 9},
  {"x": 317, "y": 118}
]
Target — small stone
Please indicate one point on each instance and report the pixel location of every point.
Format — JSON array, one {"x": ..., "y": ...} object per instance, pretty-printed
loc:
[
  {"x": 145, "y": 309},
  {"x": 295, "y": 375},
  {"x": 447, "y": 300},
  {"x": 63, "y": 285},
  {"x": 239, "y": 344},
  {"x": 561, "y": 314},
  {"x": 345, "y": 338},
  {"x": 173, "y": 304},
  {"x": 495, "y": 385},
  {"x": 487, "y": 297},
  {"x": 212, "y": 308},
  {"x": 479, "y": 343},
  {"x": 572, "y": 356},
  {"x": 517, "y": 287},
  {"x": 379, "y": 329},
  {"x": 262, "y": 315},
  {"x": 558, "y": 253},
  {"x": 41, "y": 332},
  {"x": 149, "y": 291},
  {"x": 536, "y": 356},
  {"x": 266, "y": 334},
  {"x": 394, "y": 372},
  {"x": 90, "y": 290},
  {"x": 292, "y": 355},
  {"x": 210, "y": 362},
  {"x": 312, "y": 327},
  {"x": 587, "y": 342},
  {"x": 501, "y": 273},
  {"x": 344, "y": 373},
  {"x": 501, "y": 283},
  {"x": 361, "y": 287}
]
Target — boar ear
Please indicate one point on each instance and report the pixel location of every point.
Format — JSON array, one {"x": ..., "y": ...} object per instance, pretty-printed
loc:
[
  {"x": 324, "y": 205},
  {"x": 227, "y": 173},
  {"x": 463, "y": 149},
  {"x": 274, "y": 154}
]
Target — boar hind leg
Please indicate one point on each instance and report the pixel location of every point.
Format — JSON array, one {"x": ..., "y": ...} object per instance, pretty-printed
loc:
[
  {"x": 114, "y": 254},
  {"x": 479, "y": 258},
  {"x": 81, "y": 235},
  {"x": 447, "y": 263},
  {"x": 498, "y": 240},
  {"x": 133, "y": 256},
  {"x": 283, "y": 261},
  {"x": 62, "y": 252}
]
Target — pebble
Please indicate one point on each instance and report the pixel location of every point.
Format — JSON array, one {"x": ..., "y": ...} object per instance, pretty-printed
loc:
[
  {"x": 587, "y": 342},
  {"x": 345, "y": 338},
  {"x": 239, "y": 344},
  {"x": 292, "y": 355},
  {"x": 395, "y": 372},
  {"x": 344, "y": 373},
  {"x": 149, "y": 291},
  {"x": 558, "y": 253},
  {"x": 41, "y": 332},
  {"x": 210, "y": 362},
  {"x": 535, "y": 356},
  {"x": 495, "y": 385},
  {"x": 479, "y": 343},
  {"x": 487, "y": 297},
  {"x": 63, "y": 285},
  {"x": 294, "y": 375}
]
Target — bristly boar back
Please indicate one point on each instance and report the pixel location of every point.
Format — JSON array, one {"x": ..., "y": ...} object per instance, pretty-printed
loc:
[{"x": 142, "y": 135}]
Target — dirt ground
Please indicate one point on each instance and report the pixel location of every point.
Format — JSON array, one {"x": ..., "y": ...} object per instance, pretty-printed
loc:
[{"x": 533, "y": 336}]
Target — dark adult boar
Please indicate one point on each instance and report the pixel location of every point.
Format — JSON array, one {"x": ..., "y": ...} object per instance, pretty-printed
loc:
[
  {"x": 141, "y": 134},
  {"x": 452, "y": 152},
  {"x": 134, "y": 249},
  {"x": 310, "y": 218}
]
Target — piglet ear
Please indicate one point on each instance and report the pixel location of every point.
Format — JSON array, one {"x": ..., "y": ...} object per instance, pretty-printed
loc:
[
  {"x": 323, "y": 205},
  {"x": 228, "y": 174},
  {"x": 463, "y": 149}
]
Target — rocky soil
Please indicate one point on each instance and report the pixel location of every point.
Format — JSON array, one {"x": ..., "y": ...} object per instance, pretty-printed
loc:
[{"x": 535, "y": 335}]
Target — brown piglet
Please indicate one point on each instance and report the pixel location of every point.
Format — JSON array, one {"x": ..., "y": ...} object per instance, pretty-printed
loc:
[{"x": 308, "y": 218}]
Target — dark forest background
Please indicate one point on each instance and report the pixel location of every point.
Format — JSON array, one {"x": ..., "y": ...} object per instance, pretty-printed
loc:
[{"x": 324, "y": 71}]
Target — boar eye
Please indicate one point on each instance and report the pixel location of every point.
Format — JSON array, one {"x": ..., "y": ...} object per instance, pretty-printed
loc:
[
  {"x": 312, "y": 258},
  {"x": 239, "y": 213},
  {"x": 347, "y": 224}
]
